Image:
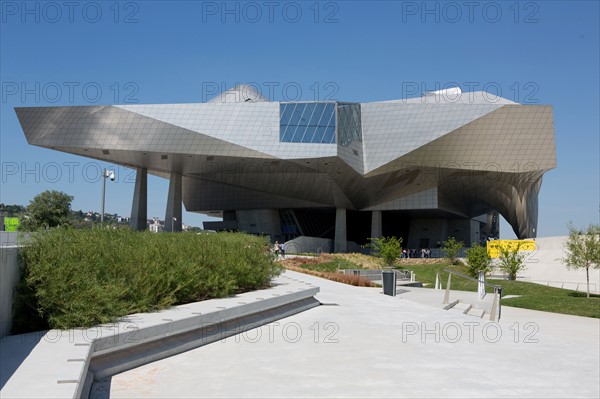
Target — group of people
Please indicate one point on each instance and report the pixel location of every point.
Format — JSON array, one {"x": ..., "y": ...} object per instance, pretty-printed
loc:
[
  {"x": 416, "y": 253},
  {"x": 279, "y": 250}
]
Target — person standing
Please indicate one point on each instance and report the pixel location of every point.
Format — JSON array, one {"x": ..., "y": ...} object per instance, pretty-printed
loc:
[
  {"x": 282, "y": 249},
  {"x": 276, "y": 249}
]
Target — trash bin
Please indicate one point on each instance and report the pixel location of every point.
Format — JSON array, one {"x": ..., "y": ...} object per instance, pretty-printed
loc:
[{"x": 389, "y": 282}]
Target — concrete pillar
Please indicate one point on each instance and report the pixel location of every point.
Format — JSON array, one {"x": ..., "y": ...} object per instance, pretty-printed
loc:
[
  {"x": 139, "y": 208},
  {"x": 339, "y": 243},
  {"x": 173, "y": 214},
  {"x": 376, "y": 224},
  {"x": 444, "y": 231}
]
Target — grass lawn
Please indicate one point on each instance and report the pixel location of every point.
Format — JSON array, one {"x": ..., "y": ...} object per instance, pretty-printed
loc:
[{"x": 533, "y": 296}]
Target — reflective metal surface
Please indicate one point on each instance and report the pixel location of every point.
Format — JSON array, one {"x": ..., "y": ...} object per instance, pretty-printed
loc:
[{"x": 468, "y": 157}]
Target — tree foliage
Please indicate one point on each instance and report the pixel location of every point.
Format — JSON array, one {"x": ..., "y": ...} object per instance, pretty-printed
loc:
[
  {"x": 583, "y": 250},
  {"x": 450, "y": 248},
  {"x": 387, "y": 248},
  {"x": 478, "y": 260},
  {"x": 12, "y": 210},
  {"x": 511, "y": 261},
  {"x": 48, "y": 209}
]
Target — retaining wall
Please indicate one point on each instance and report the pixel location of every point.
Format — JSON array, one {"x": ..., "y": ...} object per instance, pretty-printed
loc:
[{"x": 9, "y": 278}]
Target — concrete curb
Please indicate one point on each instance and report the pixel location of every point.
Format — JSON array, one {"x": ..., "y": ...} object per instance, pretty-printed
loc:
[{"x": 59, "y": 363}]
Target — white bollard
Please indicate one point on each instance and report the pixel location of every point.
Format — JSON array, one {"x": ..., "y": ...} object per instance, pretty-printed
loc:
[
  {"x": 447, "y": 294},
  {"x": 481, "y": 286}
]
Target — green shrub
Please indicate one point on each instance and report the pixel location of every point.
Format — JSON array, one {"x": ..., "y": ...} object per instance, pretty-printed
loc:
[
  {"x": 451, "y": 249},
  {"x": 478, "y": 260},
  {"x": 387, "y": 248},
  {"x": 511, "y": 261},
  {"x": 79, "y": 278}
]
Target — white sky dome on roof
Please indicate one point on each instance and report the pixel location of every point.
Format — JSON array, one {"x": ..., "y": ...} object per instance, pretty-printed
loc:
[{"x": 239, "y": 94}]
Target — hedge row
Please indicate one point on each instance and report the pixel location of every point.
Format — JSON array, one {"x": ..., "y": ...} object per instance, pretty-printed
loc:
[{"x": 80, "y": 278}]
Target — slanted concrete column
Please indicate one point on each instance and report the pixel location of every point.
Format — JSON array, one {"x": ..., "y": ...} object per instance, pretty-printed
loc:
[
  {"x": 139, "y": 208},
  {"x": 173, "y": 214},
  {"x": 376, "y": 224},
  {"x": 339, "y": 243}
]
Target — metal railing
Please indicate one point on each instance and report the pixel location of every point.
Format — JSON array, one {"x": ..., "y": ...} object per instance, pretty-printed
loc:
[
  {"x": 497, "y": 303},
  {"x": 405, "y": 275},
  {"x": 375, "y": 274}
]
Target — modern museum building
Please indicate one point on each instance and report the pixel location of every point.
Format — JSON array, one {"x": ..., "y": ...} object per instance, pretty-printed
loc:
[{"x": 444, "y": 164}]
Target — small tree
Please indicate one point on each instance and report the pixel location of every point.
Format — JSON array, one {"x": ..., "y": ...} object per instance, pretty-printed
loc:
[
  {"x": 511, "y": 261},
  {"x": 583, "y": 250},
  {"x": 387, "y": 248},
  {"x": 478, "y": 260},
  {"x": 450, "y": 249},
  {"x": 47, "y": 209}
]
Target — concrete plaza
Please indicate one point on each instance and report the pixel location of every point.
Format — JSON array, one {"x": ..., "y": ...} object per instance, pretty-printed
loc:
[{"x": 361, "y": 343}]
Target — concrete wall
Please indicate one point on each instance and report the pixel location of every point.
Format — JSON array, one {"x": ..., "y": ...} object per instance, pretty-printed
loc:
[
  {"x": 219, "y": 226},
  {"x": 61, "y": 364},
  {"x": 9, "y": 278},
  {"x": 475, "y": 231},
  {"x": 305, "y": 244},
  {"x": 544, "y": 266},
  {"x": 318, "y": 245},
  {"x": 260, "y": 221}
]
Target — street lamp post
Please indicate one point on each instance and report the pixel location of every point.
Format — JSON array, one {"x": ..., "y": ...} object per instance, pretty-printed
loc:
[{"x": 105, "y": 173}]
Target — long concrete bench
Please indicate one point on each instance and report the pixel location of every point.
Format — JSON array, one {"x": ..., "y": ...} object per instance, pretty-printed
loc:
[{"x": 65, "y": 363}]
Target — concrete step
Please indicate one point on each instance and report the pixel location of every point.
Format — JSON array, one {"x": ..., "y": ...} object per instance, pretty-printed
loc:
[
  {"x": 476, "y": 313},
  {"x": 461, "y": 307},
  {"x": 451, "y": 305},
  {"x": 458, "y": 307}
]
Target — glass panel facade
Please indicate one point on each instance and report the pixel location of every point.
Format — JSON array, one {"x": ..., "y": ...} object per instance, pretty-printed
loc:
[
  {"x": 315, "y": 122},
  {"x": 307, "y": 122},
  {"x": 349, "y": 124}
]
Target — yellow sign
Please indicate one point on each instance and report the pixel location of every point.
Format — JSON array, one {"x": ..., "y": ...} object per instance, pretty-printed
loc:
[
  {"x": 493, "y": 247},
  {"x": 11, "y": 224}
]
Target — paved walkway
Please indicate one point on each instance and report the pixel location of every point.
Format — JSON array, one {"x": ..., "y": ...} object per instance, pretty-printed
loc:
[{"x": 360, "y": 343}]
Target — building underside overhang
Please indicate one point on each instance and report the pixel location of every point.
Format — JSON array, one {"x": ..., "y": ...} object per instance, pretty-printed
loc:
[{"x": 463, "y": 159}]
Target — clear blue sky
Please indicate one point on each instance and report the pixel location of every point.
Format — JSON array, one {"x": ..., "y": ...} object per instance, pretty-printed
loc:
[{"x": 52, "y": 53}]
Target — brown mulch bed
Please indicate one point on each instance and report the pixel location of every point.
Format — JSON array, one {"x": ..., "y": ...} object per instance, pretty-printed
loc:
[{"x": 357, "y": 281}]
